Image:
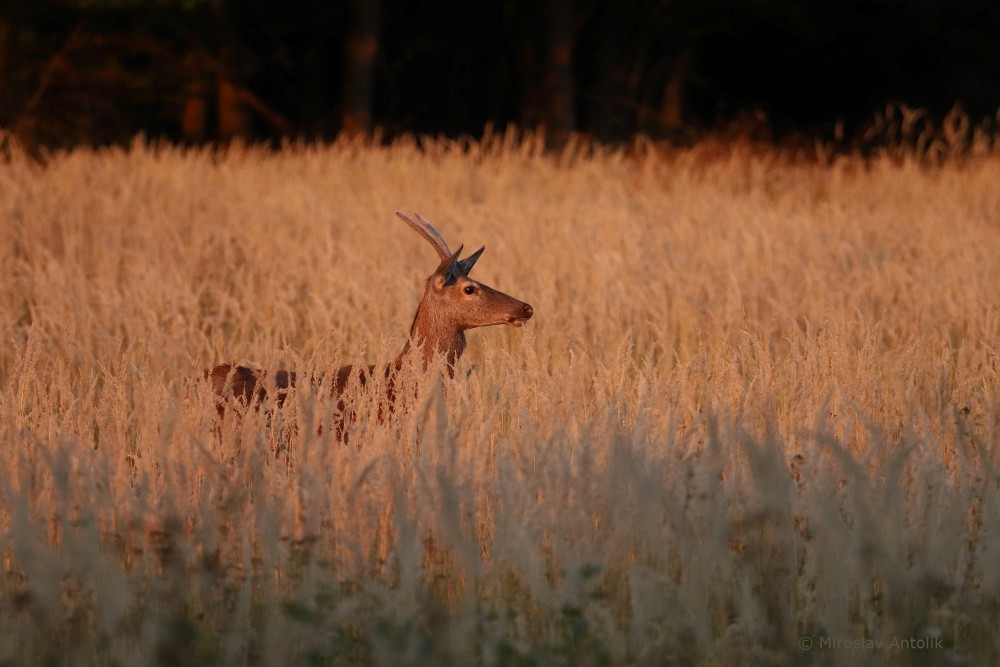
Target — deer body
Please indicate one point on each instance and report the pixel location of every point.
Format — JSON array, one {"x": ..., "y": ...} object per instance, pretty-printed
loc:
[{"x": 452, "y": 303}]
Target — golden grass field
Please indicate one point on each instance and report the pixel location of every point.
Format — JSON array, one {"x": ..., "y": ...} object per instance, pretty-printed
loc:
[{"x": 754, "y": 420}]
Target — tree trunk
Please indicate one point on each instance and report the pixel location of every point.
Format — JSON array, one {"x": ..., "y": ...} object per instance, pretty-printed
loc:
[
  {"x": 4, "y": 38},
  {"x": 361, "y": 50},
  {"x": 605, "y": 112},
  {"x": 232, "y": 116},
  {"x": 671, "y": 116},
  {"x": 194, "y": 122},
  {"x": 559, "y": 78}
]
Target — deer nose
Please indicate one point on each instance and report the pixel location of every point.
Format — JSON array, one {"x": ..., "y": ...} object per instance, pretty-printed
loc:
[{"x": 528, "y": 310}]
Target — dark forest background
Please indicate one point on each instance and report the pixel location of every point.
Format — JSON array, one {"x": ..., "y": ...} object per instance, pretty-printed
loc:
[{"x": 99, "y": 72}]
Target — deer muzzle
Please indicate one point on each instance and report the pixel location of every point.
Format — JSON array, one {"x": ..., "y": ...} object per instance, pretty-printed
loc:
[{"x": 519, "y": 320}]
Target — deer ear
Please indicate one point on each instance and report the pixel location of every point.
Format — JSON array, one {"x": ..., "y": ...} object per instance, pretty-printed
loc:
[
  {"x": 451, "y": 269},
  {"x": 470, "y": 261}
]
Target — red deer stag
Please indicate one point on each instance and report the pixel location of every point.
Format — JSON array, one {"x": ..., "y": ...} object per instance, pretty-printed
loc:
[{"x": 452, "y": 303}]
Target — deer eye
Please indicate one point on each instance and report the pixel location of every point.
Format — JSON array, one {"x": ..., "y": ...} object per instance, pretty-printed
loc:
[{"x": 470, "y": 289}]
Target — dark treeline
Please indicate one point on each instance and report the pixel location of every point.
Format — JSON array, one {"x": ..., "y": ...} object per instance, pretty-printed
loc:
[{"x": 100, "y": 71}]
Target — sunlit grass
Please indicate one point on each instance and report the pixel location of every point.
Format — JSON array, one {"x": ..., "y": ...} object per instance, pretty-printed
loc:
[{"x": 757, "y": 408}]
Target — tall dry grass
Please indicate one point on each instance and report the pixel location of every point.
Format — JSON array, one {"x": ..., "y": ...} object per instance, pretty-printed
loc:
[{"x": 754, "y": 421}]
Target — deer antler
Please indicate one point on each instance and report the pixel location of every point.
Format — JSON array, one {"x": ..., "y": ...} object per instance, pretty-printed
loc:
[
  {"x": 456, "y": 267},
  {"x": 427, "y": 230}
]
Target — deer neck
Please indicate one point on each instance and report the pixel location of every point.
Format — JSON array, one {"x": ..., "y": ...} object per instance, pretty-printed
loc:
[{"x": 434, "y": 335}]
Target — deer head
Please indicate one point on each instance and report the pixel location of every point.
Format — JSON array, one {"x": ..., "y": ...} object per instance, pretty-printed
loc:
[{"x": 453, "y": 302}]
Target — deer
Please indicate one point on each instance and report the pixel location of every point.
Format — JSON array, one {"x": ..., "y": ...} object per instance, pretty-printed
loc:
[{"x": 452, "y": 304}]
